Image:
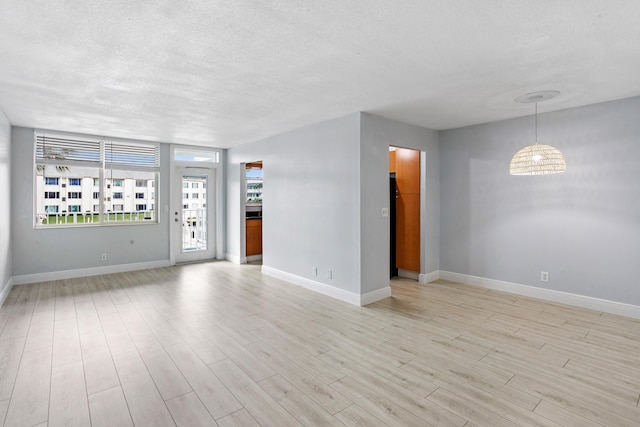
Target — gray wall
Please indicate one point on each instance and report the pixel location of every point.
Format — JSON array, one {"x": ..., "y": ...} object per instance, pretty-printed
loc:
[
  {"x": 377, "y": 134},
  {"x": 324, "y": 188},
  {"x": 5, "y": 202},
  {"x": 311, "y": 213},
  {"x": 582, "y": 226},
  {"x": 50, "y": 250}
]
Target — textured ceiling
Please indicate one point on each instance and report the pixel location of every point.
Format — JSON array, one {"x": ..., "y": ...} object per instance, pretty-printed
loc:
[{"x": 221, "y": 73}]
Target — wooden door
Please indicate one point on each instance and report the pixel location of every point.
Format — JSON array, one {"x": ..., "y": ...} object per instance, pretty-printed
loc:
[{"x": 407, "y": 164}]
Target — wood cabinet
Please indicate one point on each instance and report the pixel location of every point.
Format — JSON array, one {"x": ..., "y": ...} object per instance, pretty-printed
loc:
[
  {"x": 408, "y": 232},
  {"x": 254, "y": 237}
]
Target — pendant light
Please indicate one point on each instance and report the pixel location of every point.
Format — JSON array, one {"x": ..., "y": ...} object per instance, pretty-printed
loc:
[{"x": 537, "y": 159}]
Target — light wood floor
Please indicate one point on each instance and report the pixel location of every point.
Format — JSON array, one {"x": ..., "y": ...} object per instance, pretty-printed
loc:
[{"x": 220, "y": 344}]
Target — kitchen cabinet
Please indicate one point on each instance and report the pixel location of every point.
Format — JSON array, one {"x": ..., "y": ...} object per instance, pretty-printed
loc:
[{"x": 254, "y": 236}]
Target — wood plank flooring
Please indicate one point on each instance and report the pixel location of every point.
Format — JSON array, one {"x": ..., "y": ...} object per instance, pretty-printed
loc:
[{"x": 220, "y": 344}]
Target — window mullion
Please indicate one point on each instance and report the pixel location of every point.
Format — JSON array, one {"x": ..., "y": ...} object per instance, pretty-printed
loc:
[{"x": 103, "y": 186}]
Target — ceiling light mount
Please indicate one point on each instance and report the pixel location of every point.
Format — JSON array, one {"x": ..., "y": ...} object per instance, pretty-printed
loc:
[
  {"x": 535, "y": 97},
  {"x": 537, "y": 159}
]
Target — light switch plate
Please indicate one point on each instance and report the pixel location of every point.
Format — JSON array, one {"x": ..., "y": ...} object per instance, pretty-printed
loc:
[{"x": 385, "y": 212}]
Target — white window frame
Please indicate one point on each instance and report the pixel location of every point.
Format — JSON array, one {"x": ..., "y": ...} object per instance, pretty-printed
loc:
[{"x": 55, "y": 149}]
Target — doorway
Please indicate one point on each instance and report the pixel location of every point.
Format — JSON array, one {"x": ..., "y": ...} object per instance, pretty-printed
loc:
[
  {"x": 253, "y": 178},
  {"x": 193, "y": 214},
  {"x": 404, "y": 185}
]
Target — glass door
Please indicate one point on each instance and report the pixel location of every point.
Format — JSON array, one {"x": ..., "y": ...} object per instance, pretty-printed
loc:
[{"x": 193, "y": 223}]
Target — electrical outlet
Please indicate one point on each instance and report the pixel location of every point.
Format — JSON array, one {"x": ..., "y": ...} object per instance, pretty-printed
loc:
[
  {"x": 544, "y": 276},
  {"x": 314, "y": 271},
  {"x": 103, "y": 257}
]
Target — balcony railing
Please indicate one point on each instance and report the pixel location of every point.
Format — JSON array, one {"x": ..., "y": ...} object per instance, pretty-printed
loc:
[
  {"x": 194, "y": 229},
  {"x": 74, "y": 218}
]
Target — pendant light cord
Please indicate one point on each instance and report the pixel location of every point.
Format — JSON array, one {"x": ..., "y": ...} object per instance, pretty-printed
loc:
[{"x": 536, "y": 122}]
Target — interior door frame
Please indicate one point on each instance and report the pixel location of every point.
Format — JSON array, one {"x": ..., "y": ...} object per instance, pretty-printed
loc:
[{"x": 215, "y": 200}]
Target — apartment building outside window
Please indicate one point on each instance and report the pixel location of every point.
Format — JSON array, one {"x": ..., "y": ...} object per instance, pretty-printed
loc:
[{"x": 78, "y": 173}]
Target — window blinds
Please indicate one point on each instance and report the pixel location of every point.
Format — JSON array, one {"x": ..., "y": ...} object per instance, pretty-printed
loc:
[
  {"x": 136, "y": 155},
  {"x": 62, "y": 149}
]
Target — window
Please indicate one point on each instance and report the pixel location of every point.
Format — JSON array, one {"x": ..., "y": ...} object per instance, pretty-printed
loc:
[
  {"x": 194, "y": 155},
  {"x": 185, "y": 195},
  {"x": 73, "y": 159},
  {"x": 141, "y": 207},
  {"x": 194, "y": 185},
  {"x": 254, "y": 185},
  {"x": 153, "y": 196},
  {"x": 185, "y": 206},
  {"x": 185, "y": 185},
  {"x": 51, "y": 209},
  {"x": 194, "y": 195},
  {"x": 139, "y": 195}
]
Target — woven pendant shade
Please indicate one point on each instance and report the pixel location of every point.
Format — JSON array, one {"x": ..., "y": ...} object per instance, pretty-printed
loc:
[{"x": 537, "y": 159}]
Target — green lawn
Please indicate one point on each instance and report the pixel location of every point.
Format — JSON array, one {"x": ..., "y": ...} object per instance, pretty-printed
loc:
[{"x": 92, "y": 218}]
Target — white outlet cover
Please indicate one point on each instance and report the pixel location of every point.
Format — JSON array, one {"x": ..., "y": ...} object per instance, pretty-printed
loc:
[{"x": 385, "y": 212}]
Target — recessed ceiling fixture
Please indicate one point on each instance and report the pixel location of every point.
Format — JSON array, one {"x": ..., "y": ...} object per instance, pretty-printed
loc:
[{"x": 537, "y": 159}]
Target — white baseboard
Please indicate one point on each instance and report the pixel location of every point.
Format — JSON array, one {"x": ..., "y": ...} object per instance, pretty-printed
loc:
[
  {"x": 429, "y": 277},
  {"x": 321, "y": 288},
  {"x": 236, "y": 259},
  {"x": 5, "y": 290},
  {"x": 551, "y": 295},
  {"x": 373, "y": 296},
  {"x": 83, "y": 272}
]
